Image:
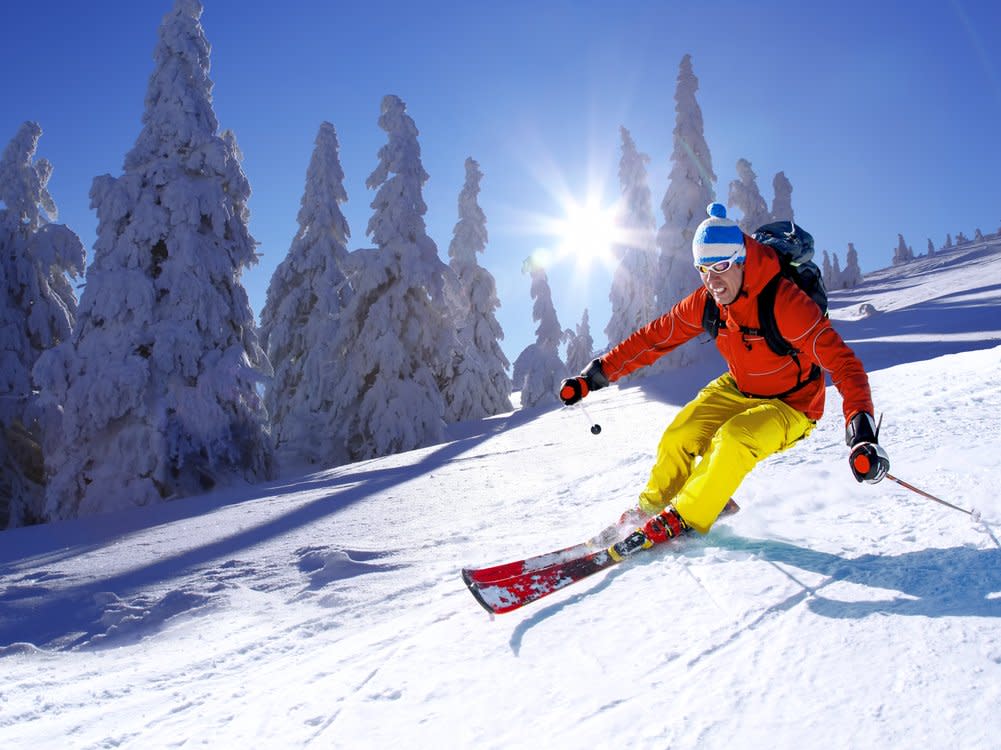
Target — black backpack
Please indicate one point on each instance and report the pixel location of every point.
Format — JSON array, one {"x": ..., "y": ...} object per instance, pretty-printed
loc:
[{"x": 794, "y": 247}]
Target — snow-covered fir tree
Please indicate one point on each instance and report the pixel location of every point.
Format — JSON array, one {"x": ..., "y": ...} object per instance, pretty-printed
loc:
[
  {"x": 961, "y": 239},
  {"x": 744, "y": 195},
  {"x": 782, "y": 202},
  {"x": 836, "y": 272},
  {"x": 301, "y": 315},
  {"x": 902, "y": 254},
  {"x": 580, "y": 345},
  {"x": 396, "y": 337},
  {"x": 978, "y": 236},
  {"x": 159, "y": 382},
  {"x": 827, "y": 272},
  {"x": 538, "y": 370},
  {"x": 684, "y": 207},
  {"x": 931, "y": 247},
  {"x": 634, "y": 291},
  {"x": 37, "y": 311},
  {"x": 851, "y": 276},
  {"x": 480, "y": 386},
  {"x": 948, "y": 242}
]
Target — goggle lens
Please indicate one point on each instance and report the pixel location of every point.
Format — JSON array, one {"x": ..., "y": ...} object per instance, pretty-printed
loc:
[{"x": 719, "y": 267}]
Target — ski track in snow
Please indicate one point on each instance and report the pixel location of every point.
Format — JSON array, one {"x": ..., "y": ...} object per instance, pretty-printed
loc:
[{"x": 326, "y": 610}]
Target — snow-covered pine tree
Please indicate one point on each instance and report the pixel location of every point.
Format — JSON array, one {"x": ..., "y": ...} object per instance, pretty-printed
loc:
[
  {"x": 479, "y": 386},
  {"x": 903, "y": 253},
  {"x": 978, "y": 236},
  {"x": 37, "y": 311},
  {"x": 684, "y": 207},
  {"x": 744, "y": 194},
  {"x": 538, "y": 370},
  {"x": 782, "y": 202},
  {"x": 827, "y": 273},
  {"x": 836, "y": 273},
  {"x": 302, "y": 313},
  {"x": 580, "y": 345},
  {"x": 851, "y": 276},
  {"x": 396, "y": 338},
  {"x": 948, "y": 242},
  {"x": 633, "y": 293},
  {"x": 159, "y": 382},
  {"x": 931, "y": 248}
]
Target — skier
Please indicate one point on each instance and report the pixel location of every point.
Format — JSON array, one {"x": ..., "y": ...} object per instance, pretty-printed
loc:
[{"x": 764, "y": 404}]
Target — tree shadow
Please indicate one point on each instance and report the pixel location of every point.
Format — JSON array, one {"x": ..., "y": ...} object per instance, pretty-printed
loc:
[{"x": 35, "y": 609}]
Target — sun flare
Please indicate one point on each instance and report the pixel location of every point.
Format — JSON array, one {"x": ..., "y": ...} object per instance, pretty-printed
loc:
[{"x": 588, "y": 233}]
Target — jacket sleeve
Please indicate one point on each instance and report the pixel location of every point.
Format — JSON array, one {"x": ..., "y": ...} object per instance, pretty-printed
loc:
[
  {"x": 654, "y": 340},
  {"x": 847, "y": 373},
  {"x": 813, "y": 334}
]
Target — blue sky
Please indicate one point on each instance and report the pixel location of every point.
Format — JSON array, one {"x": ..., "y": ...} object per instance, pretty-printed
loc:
[{"x": 884, "y": 115}]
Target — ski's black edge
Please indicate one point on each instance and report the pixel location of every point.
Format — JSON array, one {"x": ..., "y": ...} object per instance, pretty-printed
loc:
[{"x": 474, "y": 590}]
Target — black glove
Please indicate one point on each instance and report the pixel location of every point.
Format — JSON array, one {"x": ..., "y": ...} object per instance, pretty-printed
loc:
[
  {"x": 592, "y": 378},
  {"x": 868, "y": 460}
]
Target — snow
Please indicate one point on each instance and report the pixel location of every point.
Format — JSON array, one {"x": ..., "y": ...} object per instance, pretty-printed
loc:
[{"x": 327, "y": 610}]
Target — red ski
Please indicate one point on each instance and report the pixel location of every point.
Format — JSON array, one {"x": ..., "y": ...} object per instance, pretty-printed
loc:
[
  {"x": 506, "y": 594},
  {"x": 506, "y": 587},
  {"x": 529, "y": 564},
  {"x": 548, "y": 559}
]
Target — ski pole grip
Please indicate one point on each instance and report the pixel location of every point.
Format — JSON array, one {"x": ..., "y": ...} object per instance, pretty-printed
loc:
[
  {"x": 862, "y": 464},
  {"x": 573, "y": 390}
]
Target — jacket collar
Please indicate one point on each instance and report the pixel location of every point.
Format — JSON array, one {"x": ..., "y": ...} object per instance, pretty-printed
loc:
[{"x": 760, "y": 267}]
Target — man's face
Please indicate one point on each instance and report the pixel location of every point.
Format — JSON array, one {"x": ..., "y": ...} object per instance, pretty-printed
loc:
[{"x": 723, "y": 285}]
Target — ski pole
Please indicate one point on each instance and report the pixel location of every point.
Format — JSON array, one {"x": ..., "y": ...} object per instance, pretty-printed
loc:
[
  {"x": 974, "y": 514},
  {"x": 595, "y": 427}
]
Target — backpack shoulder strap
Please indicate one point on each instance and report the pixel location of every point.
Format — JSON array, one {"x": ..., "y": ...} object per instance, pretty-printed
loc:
[
  {"x": 710, "y": 317},
  {"x": 767, "y": 323},
  {"x": 776, "y": 342}
]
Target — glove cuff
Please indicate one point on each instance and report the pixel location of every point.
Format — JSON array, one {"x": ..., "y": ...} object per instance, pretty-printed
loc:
[
  {"x": 594, "y": 375},
  {"x": 861, "y": 428}
]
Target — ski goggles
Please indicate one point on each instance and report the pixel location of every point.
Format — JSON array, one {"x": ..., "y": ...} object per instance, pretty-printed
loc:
[{"x": 720, "y": 266}]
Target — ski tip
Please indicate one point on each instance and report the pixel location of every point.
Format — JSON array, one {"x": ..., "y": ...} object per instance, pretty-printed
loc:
[
  {"x": 475, "y": 591},
  {"x": 467, "y": 578}
]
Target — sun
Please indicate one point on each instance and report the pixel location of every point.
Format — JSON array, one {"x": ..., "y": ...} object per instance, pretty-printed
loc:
[{"x": 588, "y": 233}]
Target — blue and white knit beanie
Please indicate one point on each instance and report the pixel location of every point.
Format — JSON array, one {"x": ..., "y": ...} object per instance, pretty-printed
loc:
[{"x": 718, "y": 238}]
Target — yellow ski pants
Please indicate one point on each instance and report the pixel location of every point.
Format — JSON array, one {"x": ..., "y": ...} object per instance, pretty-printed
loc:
[{"x": 731, "y": 433}]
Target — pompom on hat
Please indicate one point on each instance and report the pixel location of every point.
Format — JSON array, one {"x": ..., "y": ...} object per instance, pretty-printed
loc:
[{"x": 718, "y": 238}]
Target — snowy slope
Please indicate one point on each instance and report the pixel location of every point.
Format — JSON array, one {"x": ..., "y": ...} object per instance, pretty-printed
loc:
[
  {"x": 934, "y": 305},
  {"x": 327, "y": 611}
]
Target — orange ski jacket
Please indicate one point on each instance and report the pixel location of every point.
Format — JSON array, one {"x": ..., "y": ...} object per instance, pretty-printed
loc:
[{"x": 757, "y": 370}]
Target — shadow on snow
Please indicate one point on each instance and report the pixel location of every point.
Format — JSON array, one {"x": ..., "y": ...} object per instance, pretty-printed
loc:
[
  {"x": 37, "y": 613},
  {"x": 953, "y": 582}
]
